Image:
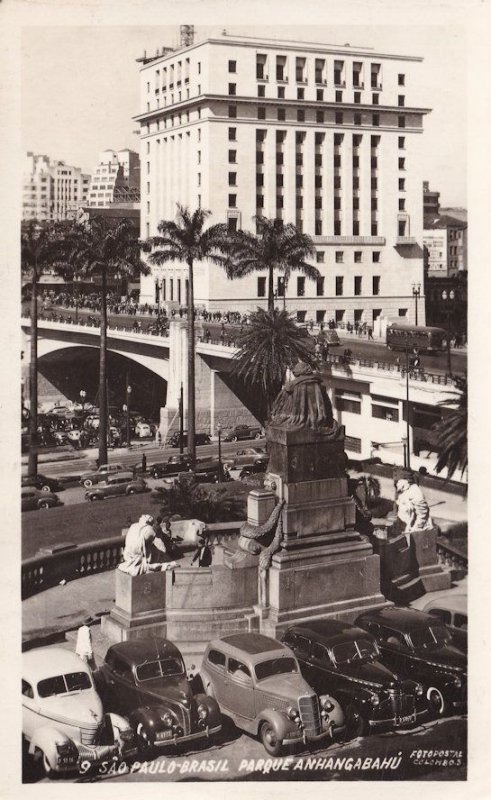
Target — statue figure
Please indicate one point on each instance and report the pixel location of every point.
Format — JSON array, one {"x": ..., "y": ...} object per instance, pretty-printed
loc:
[
  {"x": 264, "y": 541},
  {"x": 412, "y": 507},
  {"x": 137, "y": 559},
  {"x": 303, "y": 403}
]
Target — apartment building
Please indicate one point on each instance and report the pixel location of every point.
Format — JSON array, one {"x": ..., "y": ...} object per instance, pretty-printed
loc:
[
  {"x": 116, "y": 179},
  {"x": 52, "y": 190},
  {"x": 445, "y": 242},
  {"x": 325, "y": 137}
]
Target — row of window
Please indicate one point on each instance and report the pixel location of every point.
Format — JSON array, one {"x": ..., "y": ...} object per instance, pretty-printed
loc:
[
  {"x": 313, "y": 115},
  {"x": 339, "y": 95},
  {"x": 382, "y": 407},
  {"x": 339, "y": 69},
  {"x": 320, "y": 286},
  {"x": 319, "y": 141}
]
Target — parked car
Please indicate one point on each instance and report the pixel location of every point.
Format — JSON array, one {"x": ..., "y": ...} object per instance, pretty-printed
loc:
[
  {"x": 243, "y": 432},
  {"x": 257, "y": 682},
  {"x": 344, "y": 660},
  {"x": 253, "y": 469},
  {"x": 121, "y": 483},
  {"x": 63, "y": 723},
  {"x": 206, "y": 471},
  {"x": 416, "y": 645},
  {"x": 32, "y": 498},
  {"x": 199, "y": 438},
  {"x": 88, "y": 479},
  {"x": 146, "y": 680},
  {"x": 143, "y": 430},
  {"x": 331, "y": 338},
  {"x": 172, "y": 466},
  {"x": 42, "y": 482},
  {"x": 451, "y": 609},
  {"x": 250, "y": 455}
]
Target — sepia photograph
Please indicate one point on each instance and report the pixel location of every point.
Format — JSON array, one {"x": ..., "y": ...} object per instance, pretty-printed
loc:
[{"x": 242, "y": 296}]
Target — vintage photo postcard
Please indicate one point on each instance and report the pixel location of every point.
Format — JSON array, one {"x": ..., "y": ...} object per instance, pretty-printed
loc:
[{"x": 244, "y": 263}]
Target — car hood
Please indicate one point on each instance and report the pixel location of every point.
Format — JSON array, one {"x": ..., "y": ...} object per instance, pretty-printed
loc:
[
  {"x": 175, "y": 690},
  {"x": 288, "y": 686},
  {"x": 369, "y": 672},
  {"x": 447, "y": 656},
  {"x": 82, "y": 709}
]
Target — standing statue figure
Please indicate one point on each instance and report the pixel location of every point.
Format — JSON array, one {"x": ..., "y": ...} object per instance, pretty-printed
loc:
[
  {"x": 303, "y": 403},
  {"x": 412, "y": 507}
]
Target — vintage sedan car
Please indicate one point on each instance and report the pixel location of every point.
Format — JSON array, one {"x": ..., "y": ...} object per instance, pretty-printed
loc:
[
  {"x": 121, "y": 483},
  {"x": 243, "y": 432},
  {"x": 63, "y": 723},
  {"x": 146, "y": 680},
  {"x": 451, "y": 609},
  {"x": 172, "y": 466},
  {"x": 199, "y": 439},
  {"x": 32, "y": 499},
  {"x": 257, "y": 683},
  {"x": 418, "y": 646},
  {"x": 341, "y": 659},
  {"x": 249, "y": 455},
  {"x": 88, "y": 479},
  {"x": 42, "y": 482}
]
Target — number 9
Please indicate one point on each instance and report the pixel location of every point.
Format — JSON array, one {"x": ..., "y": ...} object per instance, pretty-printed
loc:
[{"x": 84, "y": 767}]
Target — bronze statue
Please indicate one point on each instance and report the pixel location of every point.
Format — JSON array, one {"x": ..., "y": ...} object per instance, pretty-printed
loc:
[{"x": 304, "y": 403}]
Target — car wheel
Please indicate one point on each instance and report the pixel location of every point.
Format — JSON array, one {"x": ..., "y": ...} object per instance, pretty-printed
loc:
[
  {"x": 355, "y": 723},
  {"x": 258, "y": 435},
  {"x": 45, "y": 488},
  {"x": 144, "y": 742},
  {"x": 269, "y": 738},
  {"x": 389, "y": 347},
  {"x": 87, "y": 483},
  {"x": 44, "y": 505},
  {"x": 130, "y": 491},
  {"x": 436, "y": 701},
  {"x": 234, "y": 439}
]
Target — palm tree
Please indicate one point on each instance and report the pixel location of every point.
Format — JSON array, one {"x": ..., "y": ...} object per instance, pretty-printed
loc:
[
  {"x": 452, "y": 433},
  {"x": 185, "y": 240},
  {"x": 97, "y": 248},
  {"x": 275, "y": 246},
  {"x": 268, "y": 345},
  {"x": 41, "y": 246},
  {"x": 191, "y": 501}
]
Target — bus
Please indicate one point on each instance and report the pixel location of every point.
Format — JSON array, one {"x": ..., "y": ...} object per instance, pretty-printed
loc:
[{"x": 420, "y": 337}]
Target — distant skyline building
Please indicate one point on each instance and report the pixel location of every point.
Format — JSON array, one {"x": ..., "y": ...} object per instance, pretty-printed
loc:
[
  {"x": 445, "y": 241},
  {"x": 116, "y": 179},
  {"x": 52, "y": 189},
  {"x": 431, "y": 200},
  {"x": 325, "y": 137}
]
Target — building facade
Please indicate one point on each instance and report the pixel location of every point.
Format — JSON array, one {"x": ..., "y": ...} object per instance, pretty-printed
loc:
[
  {"x": 445, "y": 242},
  {"x": 325, "y": 137},
  {"x": 116, "y": 179},
  {"x": 52, "y": 190},
  {"x": 431, "y": 200}
]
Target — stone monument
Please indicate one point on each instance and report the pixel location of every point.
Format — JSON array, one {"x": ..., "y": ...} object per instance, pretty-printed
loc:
[{"x": 311, "y": 562}]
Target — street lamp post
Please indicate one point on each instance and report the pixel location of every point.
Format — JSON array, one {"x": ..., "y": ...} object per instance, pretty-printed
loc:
[
  {"x": 83, "y": 395},
  {"x": 448, "y": 299},
  {"x": 219, "y": 432},
  {"x": 126, "y": 408},
  {"x": 407, "y": 458},
  {"x": 416, "y": 295},
  {"x": 405, "y": 450}
]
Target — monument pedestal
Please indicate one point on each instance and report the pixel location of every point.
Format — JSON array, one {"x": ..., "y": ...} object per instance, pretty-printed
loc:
[{"x": 140, "y": 607}]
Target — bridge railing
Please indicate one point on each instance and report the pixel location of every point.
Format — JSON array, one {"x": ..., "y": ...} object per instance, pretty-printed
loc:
[
  {"x": 45, "y": 570},
  {"x": 387, "y": 366},
  {"x": 84, "y": 323}
]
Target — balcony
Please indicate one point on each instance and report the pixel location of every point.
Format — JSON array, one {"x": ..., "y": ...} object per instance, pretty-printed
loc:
[
  {"x": 404, "y": 241},
  {"x": 350, "y": 240}
]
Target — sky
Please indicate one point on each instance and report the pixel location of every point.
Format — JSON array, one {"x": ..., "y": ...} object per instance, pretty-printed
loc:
[{"x": 79, "y": 87}]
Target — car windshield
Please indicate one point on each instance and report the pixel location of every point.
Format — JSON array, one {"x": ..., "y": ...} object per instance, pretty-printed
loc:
[
  {"x": 358, "y": 650},
  {"x": 62, "y": 684},
  {"x": 164, "y": 668},
  {"x": 430, "y": 637},
  {"x": 275, "y": 666}
]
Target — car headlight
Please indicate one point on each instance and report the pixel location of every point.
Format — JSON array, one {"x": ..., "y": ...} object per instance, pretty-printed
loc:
[
  {"x": 168, "y": 720},
  {"x": 419, "y": 689},
  {"x": 126, "y": 735},
  {"x": 326, "y": 704},
  {"x": 292, "y": 713},
  {"x": 375, "y": 700},
  {"x": 202, "y": 711},
  {"x": 457, "y": 682}
]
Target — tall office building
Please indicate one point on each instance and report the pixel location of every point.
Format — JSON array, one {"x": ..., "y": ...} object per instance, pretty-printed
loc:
[
  {"x": 325, "y": 137},
  {"x": 52, "y": 190},
  {"x": 116, "y": 179}
]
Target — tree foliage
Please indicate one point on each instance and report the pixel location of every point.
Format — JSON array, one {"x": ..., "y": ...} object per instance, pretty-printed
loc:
[
  {"x": 452, "y": 433},
  {"x": 269, "y": 345},
  {"x": 189, "y": 500}
]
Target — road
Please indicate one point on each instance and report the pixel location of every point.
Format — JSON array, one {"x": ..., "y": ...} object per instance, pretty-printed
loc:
[
  {"x": 359, "y": 346},
  {"x": 234, "y": 756}
]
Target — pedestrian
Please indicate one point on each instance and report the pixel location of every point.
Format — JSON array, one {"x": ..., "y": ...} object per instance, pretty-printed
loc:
[
  {"x": 370, "y": 333},
  {"x": 203, "y": 554},
  {"x": 159, "y": 437},
  {"x": 83, "y": 647},
  {"x": 144, "y": 463}
]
